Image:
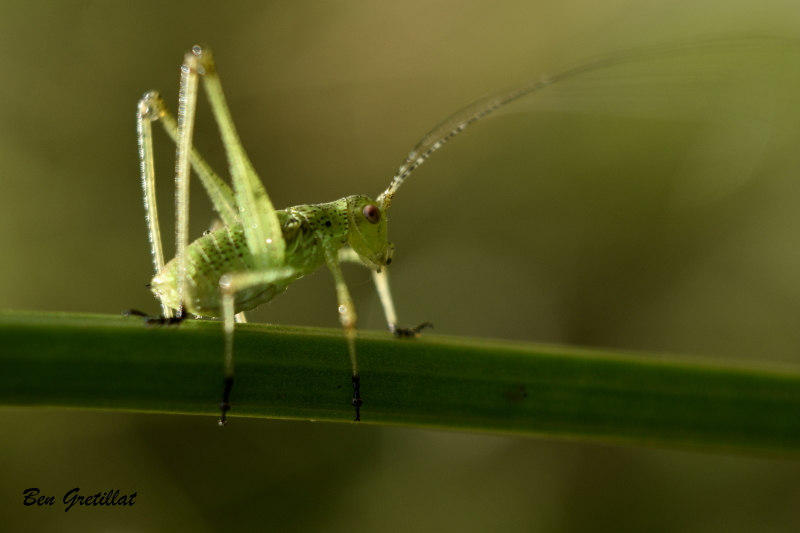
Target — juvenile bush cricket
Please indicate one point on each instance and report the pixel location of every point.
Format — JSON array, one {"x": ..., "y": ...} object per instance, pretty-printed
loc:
[{"x": 259, "y": 250}]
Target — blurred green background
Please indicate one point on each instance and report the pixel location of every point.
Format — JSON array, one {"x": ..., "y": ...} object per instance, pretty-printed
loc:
[{"x": 651, "y": 208}]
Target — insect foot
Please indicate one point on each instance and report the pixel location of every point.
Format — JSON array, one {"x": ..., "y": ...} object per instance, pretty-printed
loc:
[
  {"x": 225, "y": 405},
  {"x": 357, "y": 403},
  {"x": 150, "y": 320},
  {"x": 408, "y": 333}
]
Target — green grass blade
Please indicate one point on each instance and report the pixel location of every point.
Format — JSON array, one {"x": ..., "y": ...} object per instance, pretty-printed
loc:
[{"x": 109, "y": 362}]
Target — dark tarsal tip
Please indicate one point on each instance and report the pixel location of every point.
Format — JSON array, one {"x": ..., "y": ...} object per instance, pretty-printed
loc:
[
  {"x": 357, "y": 403},
  {"x": 224, "y": 405}
]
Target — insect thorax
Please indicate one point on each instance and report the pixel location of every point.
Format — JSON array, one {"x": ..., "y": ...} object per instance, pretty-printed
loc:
[{"x": 307, "y": 231}]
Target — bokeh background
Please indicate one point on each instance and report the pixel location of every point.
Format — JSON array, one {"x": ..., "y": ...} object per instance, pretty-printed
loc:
[{"x": 644, "y": 208}]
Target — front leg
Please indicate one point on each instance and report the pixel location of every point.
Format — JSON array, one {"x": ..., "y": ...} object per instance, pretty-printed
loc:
[
  {"x": 381, "y": 279},
  {"x": 382, "y": 284}
]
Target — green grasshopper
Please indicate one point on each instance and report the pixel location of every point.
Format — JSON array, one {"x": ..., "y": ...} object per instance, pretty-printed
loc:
[{"x": 259, "y": 250}]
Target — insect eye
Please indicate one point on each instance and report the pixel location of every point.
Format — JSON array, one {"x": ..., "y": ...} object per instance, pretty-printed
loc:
[{"x": 372, "y": 214}]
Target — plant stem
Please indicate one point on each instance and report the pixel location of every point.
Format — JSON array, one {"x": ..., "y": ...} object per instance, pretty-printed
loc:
[{"x": 110, "y": 362}]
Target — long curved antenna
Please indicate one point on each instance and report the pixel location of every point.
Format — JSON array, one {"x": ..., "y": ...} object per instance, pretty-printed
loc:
[{"x": 485, "y": 106}]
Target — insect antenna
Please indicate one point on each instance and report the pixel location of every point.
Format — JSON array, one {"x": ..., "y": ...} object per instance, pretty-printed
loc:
[{"x": 458, "y": 121}]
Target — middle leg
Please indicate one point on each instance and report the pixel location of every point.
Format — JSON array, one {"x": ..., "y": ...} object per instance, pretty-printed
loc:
[{"x": 229, "y": 285}]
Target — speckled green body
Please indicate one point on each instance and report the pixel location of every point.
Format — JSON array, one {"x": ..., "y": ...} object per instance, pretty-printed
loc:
[
  {"x": 259, "y": 250},
  {"x": 307, "y": 230}
]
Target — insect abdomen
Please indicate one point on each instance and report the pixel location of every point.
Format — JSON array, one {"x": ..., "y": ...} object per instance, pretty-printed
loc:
[
  {"x": 224, "y": 251},
  {"x": 209, "y": 258}
]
